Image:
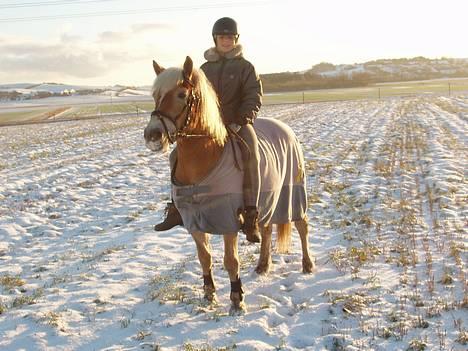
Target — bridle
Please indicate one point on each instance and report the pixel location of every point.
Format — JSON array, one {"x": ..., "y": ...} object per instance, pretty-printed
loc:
[{"x": 192, "y": 101}]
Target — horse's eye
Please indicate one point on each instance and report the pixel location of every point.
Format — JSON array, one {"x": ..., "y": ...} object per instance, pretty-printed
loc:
[{"x": 182, "y": 95}]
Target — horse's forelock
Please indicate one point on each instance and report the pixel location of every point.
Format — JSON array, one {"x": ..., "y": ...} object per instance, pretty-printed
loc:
[{"x": 166, "y": 81}]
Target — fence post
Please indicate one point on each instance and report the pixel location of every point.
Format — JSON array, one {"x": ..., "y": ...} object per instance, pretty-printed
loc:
[
  {"x": 450, "y": 89},
  {"x": 303, "y": 97},
  {"x": 379, "y": 93}
]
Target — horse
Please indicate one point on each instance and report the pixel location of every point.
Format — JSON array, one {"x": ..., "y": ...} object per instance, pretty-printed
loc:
[{"x": 207, "y": 177}]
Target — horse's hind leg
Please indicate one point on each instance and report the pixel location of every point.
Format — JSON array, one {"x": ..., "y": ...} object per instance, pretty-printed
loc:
[
  {"x": 264, "y": 260},
  {"x": 204, "y": 256},
  {"x": 231, "y": 263},
  {"x": 307, "y": 263}
]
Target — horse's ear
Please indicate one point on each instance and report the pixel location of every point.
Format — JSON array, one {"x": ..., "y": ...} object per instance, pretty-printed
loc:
[
  {"x": 188, "y": 67},
  {"x": 157, "y": 68}
]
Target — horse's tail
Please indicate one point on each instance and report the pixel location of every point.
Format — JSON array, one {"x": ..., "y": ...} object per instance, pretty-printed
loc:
[{"x": 283, "y": 242}]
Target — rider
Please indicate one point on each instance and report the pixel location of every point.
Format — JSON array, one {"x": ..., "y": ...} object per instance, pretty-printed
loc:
[{"x": 240, "y": 93}]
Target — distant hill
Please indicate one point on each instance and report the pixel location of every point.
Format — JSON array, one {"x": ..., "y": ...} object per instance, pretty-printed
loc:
[
  {"x": 29, "y": 91},
  {"x": 324, "y": 75},
  {"x": 327, "y": 75}
]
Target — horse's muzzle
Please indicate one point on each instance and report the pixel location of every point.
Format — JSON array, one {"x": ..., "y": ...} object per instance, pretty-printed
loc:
[
  {"x": 152, "y": 134},
  {"x": 153, "y": 139}
]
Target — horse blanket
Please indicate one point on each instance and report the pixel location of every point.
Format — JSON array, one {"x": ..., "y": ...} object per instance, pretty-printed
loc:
[{"x": 212, "y": 206}]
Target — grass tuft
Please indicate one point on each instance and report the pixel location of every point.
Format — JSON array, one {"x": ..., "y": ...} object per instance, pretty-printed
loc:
[{"x": 9, "y": 282}]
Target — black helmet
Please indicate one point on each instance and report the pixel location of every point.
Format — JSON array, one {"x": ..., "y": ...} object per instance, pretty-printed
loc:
[{"x": 225, "y": 25}]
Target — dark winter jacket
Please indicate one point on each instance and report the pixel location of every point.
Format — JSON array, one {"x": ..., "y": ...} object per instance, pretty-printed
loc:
[{"x": 237, "y": 84}]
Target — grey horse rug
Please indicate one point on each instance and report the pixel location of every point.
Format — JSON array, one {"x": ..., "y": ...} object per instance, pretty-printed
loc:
[{"x": 212, "y": 205}]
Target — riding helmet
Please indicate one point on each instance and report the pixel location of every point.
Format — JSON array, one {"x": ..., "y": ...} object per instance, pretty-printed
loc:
[{"x": 225, "y": 25}]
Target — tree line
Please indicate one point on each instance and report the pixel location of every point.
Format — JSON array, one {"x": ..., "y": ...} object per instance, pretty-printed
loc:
[{"x": 328, "y": 76}]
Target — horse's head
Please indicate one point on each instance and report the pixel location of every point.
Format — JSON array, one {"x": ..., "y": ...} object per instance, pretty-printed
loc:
[
  {"x": 171, "y": 91},
  {"x": 185, "y": 106}
]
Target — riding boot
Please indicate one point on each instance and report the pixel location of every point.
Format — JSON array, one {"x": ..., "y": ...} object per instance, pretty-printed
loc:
[
  {"x": 172, "y": 219},
  {"x": 250, "y": 227}
]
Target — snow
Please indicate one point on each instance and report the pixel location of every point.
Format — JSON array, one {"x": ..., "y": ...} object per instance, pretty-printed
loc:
[
  {"x": 56, "y": 88},
  {"x": 70, "y": 95},
  {"x": 15, "y": 86},
  {"x": 104, "y": 98},
  {"x": 347, "y": 70},
  {"x": 133, "y": 92},
  {"x": 82, "y": 269}
]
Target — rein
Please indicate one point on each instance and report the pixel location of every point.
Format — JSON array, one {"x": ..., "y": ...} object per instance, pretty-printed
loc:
[
  {"x": 193, "y": 100},
  {"x": 241, "y": 142}
]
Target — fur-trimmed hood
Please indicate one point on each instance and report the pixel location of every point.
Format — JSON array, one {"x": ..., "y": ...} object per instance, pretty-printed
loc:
[{"x": 212, "y": 55}]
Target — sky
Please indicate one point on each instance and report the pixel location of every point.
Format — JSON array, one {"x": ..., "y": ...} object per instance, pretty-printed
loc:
[{"x": 106, "y": 42}]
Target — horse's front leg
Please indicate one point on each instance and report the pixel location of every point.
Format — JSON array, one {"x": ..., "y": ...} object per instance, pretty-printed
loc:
[
  {"x": 231, "y": 263},
  {"x": 204, "y": 256}
]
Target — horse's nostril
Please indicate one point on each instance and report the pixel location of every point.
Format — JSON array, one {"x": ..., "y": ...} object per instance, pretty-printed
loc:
[
  {"x": 152, "y": 135},
  {"x": 156, "y": 135}
]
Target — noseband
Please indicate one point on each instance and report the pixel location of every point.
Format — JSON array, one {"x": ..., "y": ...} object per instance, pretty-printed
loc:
[{"x": 192, "y": 101}]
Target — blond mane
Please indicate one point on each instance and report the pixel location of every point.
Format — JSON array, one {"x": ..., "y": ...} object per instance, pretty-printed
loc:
[{"x": 207, "y": 115}]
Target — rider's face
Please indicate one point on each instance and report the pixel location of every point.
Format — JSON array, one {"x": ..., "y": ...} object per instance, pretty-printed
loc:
[{"x": 225, "y": 43}]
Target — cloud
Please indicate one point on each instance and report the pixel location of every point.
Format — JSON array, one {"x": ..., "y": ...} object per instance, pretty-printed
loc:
[
  {"x": 19, "y": 49},
  {"x": 80, "y": 65},
  {"x": 148, "y": 27},
  {"x": 66, "y": 59},
  {"x": 67, "y": 56},
  {"x": 112, "y": 37},
  {"x": 69, "y": 38},
  {"x": 140, "y": 29},
  {"x": 74, "y": 56}
]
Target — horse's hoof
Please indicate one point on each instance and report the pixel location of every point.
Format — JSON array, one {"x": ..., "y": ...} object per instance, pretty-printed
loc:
[
  {"x": 239, "y": 309},
  {"x": 307, "y": 266},
  {"x": 209, "y": 294},
  {"x": 210, "y": 299},
  {"x": 262, "y": 269}
]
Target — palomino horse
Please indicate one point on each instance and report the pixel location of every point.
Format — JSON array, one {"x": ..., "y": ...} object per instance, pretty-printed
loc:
[{"x": 207, "y": 175}]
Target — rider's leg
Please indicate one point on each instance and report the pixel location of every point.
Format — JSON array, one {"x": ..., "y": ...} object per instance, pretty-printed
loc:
[{"x": 251, "y": 159}]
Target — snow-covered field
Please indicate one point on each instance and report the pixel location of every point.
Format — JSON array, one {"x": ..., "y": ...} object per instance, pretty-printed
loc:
[{"x": 82, "y": 269}]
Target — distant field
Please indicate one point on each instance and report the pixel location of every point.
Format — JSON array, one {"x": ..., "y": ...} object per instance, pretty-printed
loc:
[
  {"x": 55, "y": 113},
  {"x": 372, "y": 92},
  {"x": 21, "y": 116},
  {"x": 382, "y": 90}
]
